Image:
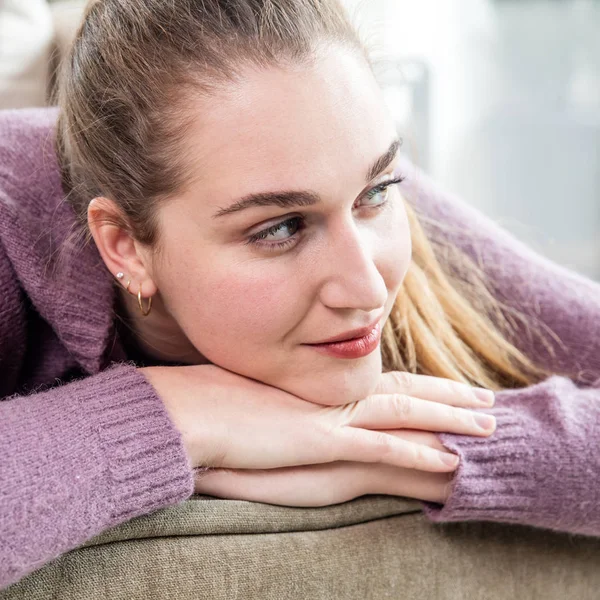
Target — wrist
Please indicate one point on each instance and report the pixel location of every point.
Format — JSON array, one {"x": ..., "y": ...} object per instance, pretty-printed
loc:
[{"x": 161, "y": 379}]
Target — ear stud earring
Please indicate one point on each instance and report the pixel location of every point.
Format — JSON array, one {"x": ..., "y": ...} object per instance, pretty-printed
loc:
[{"x": 120, "y": 275}]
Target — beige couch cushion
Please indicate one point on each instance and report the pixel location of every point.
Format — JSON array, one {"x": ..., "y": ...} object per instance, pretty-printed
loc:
[{"x": 373, "y": 547}]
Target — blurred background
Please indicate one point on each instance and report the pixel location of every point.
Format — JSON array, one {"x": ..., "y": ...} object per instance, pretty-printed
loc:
[{"x": 499, "y": 100}]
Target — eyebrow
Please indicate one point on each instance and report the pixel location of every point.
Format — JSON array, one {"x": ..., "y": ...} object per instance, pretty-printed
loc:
[{"x": 304, "y": 197}]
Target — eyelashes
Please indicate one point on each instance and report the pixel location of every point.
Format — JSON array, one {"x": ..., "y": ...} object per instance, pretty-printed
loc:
[
  {"x": 258, "y": 238},
  {"x": 383, "y": 187},
  {"x": 297, "y": 223}
]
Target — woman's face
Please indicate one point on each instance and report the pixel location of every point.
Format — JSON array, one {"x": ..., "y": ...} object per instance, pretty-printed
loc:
[{"x": 283, "y": 239}]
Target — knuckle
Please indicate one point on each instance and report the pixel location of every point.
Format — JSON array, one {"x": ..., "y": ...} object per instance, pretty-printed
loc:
[
  {"x": 414, "y": 456},
  {"x": 383, "y": 444},
  {"x": 459, "y": 390},
  {"x": 457, "y": 416},
  {"x": 403, "y": 380},
  {"x": 452, "y": 388},
  {"x": 402, "y": 408}
]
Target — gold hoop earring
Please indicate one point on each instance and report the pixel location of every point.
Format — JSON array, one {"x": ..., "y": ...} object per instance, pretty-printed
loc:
[
  {"x": 128, "y": 284},
  {"x": 146, "y": 312}
]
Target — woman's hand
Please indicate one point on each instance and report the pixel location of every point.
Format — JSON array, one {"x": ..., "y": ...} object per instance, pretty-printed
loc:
[
  {"x": 229, "y": 421},
  {"x": 331, "y": 483}
]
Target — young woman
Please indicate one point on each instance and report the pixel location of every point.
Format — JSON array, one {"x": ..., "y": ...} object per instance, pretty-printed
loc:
[{"x": 261, "y": 298}]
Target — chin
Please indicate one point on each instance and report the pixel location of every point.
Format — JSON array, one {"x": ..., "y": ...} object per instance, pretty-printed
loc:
[{"x": 341, "y": 385}]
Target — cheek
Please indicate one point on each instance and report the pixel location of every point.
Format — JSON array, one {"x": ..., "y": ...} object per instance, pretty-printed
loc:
[
  {"x": 238, "y": 305},
  {"x": 396, "y": 252}
]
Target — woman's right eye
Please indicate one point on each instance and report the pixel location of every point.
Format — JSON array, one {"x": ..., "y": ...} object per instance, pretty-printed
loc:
[{"x": 277, "y": 236}]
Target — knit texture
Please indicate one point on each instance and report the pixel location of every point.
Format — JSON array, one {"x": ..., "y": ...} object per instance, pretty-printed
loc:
[
  {"x": 541, "y": 465},
  {"x": 540, "y": 468},
  {"x": 79, "y": 459},
  {"x": 87, "y": 444},
  {"x": 100, "y": 449}
]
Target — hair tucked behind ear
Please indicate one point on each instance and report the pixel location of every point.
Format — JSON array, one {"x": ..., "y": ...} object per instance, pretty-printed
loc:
[{"x": 122, "y": 95}]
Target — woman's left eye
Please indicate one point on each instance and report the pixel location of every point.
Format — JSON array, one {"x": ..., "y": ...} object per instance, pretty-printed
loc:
[{"x": 381, "y": 193}]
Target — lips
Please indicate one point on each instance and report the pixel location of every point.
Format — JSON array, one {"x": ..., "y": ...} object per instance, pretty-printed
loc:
[
  {"x": 349, "y": 335},
  {"x": 351, "y": 349}
]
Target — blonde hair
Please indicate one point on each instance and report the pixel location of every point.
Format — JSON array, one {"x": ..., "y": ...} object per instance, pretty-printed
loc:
[
  {"x": 122, "y": 115},
  {"x": 446, "y": 322}
]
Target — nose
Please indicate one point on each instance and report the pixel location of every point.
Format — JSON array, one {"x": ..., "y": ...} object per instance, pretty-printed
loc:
[{"x": 349, "y": 271}]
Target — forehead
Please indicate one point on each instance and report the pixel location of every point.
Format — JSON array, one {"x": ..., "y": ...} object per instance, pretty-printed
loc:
[{"x": 289, "y": 127}]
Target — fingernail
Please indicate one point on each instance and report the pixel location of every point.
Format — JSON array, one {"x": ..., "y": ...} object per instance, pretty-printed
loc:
[
  {"x": 486, "y": 422},
  {"x": 449, "y": 459},
  {"x": 485, "y": 396}
]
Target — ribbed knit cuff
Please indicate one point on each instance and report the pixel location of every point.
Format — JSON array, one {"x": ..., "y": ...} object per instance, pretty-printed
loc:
[
  {"x": 81, "y": 458},
  {"x": 491, "y": 482},
  {"x": 147, "y": 465},
  {"x": 540, "y": 467}
]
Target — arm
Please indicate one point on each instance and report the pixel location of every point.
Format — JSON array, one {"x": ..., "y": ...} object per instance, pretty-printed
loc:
[
  {"x": 13, "y": 326},
  {"x": 76, "y": 459},
  {"x": 541, "y": 466},
  {"x": 81, "y": 458}
]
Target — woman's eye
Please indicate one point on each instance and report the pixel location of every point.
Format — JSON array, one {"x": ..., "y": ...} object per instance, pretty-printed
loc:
[
  {"x": 285, "y": 234},
  {"x": 278, "y": 235},
  {"x": 378, "y": 196}
]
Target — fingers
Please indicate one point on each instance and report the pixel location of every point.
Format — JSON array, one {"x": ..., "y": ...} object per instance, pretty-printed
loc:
[
  {"x": 424, "y": 438},
  {"x": 432, "y": 487},
  {"x": 232, "y": 484},
  {"x": 435, "y": 389},
  {"x": 400, "y": 411},
  {"x": 433, "y": 405},
  {"x": 366, "y": 446},
  {"x": 323, "y": 485},
  {"x": 308, "y": 486}
]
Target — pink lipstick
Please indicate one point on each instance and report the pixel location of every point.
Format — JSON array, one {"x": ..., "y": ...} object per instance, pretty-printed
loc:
[{"x": 352, "y": 348}]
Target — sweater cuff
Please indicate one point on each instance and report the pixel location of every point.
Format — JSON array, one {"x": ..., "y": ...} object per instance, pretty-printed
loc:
[
  {"x": 488, "y": 483},
  {"x": 538, "y": 468},
  {"x": 145, "y": 459}
]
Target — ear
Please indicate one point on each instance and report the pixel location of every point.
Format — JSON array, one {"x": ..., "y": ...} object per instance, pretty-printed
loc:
[{"x": 119, "y": 251}]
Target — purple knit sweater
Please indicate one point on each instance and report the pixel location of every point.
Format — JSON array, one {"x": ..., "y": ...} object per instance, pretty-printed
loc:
[{"x": 86, "y": 444}]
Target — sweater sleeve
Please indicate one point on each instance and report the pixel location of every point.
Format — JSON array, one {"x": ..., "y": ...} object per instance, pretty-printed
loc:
[
  {"x": 541, "y": 467},
  {"x": 81, "y": 458},
  {"x": 84, "y": 456}
]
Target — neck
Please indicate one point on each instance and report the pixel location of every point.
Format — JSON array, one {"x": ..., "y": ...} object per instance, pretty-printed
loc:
[{"x": 156, "y": 338}]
